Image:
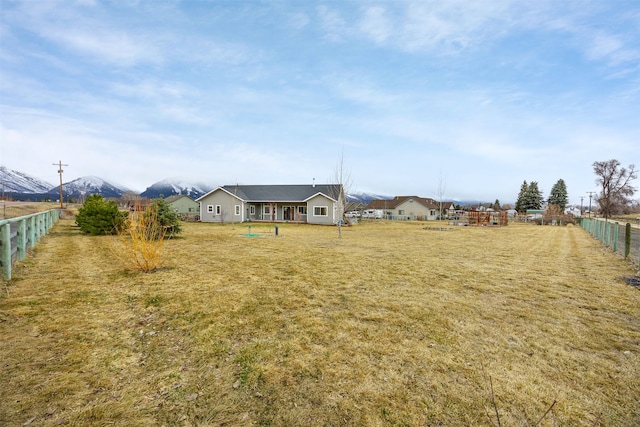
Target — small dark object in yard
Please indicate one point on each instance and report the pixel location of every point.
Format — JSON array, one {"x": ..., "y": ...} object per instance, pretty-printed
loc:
[{"x": 633, "y": 281}]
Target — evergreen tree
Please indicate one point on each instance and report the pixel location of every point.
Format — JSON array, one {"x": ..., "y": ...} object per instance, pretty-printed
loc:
[
  {"x": 163, "y": 217},
  {"x": 99, "y": 216},
  {"x": 558, "y": 195},
  {"x": 534, "y": 196},
  {"x": 496, "y": 205},
  {"x": 521, "y": 197},
  {"x": 530, "y": 197}
]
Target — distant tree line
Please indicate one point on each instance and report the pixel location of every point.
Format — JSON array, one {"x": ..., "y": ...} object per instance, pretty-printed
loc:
[
  {"x": 531, "y": 197},
  {"x": 614, "y": 197}
]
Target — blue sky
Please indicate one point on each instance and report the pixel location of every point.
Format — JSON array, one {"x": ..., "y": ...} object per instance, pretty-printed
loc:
[{"x": 464, "y": 98}]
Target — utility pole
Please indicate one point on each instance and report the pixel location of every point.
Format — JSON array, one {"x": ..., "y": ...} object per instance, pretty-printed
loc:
[
  {"x": 590, "y": 193},
  {"x": 60, "y": 165},
  {"x": 581, "y": 199}
]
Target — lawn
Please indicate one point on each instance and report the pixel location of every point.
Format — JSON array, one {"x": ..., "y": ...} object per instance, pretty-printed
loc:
[{"x": 391, "y": 324}]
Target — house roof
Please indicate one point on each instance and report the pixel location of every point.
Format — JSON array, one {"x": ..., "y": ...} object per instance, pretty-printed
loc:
[
  {"x": 398, "y": 200},
  {"x": 279, "y": 193},
  {"x": 175, "y": 197}
]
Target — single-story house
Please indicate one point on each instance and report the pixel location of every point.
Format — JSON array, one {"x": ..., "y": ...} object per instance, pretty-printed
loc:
[
  {"x": 313, "y": 204},
  {"x": 407, "y": 208},
  {"x": 183, "y": 204}
]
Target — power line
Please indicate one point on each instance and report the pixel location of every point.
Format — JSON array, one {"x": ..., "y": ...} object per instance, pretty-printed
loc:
[{"x": 60, "y": 165}]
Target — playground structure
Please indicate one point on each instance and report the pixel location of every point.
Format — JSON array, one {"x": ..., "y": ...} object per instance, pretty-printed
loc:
[{"x": 488, "y": 218}]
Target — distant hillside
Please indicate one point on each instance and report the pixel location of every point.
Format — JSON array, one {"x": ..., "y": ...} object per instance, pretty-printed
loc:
[
  {"x": 88, "y": 185},
  {"x": 170, "y": 187},
  {"x": 365, "y": 198},
  {"x": 19, "y": 182}
]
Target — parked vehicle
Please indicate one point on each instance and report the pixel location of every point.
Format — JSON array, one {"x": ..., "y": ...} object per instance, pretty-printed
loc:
[{"x": 373, "y": 213}]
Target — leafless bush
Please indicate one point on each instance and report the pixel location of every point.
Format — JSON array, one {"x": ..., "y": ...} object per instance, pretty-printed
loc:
[{"x": 140, "y": 241}]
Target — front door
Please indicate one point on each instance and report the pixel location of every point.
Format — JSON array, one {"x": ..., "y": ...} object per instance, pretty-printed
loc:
[{"x": 288, "y": 213}]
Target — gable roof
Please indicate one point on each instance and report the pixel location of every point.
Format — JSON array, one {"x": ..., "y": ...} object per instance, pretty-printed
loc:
[
  {"x": 175, "y": 197},
  {"x": 398, "y": 200},
  {"x": 278, "y": 193}
]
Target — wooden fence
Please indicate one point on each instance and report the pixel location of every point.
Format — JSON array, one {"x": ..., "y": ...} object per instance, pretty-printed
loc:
[{"x": 19, "y": 234}]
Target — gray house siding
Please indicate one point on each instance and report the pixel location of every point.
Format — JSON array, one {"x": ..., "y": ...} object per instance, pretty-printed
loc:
[
  {"x": 321, "y": 210},
  {"x": 220, "y": 206},
  {"x": 269, "y": 203}
]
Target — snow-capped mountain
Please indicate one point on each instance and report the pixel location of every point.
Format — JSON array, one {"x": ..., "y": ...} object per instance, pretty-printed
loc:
[
  {"x": 365, "y": 198},
  {"x": 88, "y": 185},
  {"x": 169, "y": 187},
  {"x": 19, "y": 182}
]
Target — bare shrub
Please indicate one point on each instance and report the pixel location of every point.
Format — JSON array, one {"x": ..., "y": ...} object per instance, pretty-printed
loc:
[{"x": 140, "y": 241}]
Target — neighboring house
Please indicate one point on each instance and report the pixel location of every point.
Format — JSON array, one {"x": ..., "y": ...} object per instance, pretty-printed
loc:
[
  {"x": 313, "y": 204},
  {"x": 448, "y": 209},
  {"x": 407, "y": 208},
  {"x": 183, "y": 205},
  {"x": 572, "y": 210},
  {"x": 354, "y": 207}
]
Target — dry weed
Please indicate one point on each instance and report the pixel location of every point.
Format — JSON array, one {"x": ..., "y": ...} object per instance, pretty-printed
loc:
[
  {"x": 389, "y": 325},
  {"x": 139, "y": 243}
]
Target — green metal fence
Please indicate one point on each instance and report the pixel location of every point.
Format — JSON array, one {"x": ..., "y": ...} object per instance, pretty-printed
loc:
[
  {"x": 19, "y": 234},
  {"x": 621, "y": 238}
]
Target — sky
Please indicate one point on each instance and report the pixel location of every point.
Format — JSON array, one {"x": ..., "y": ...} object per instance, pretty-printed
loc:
[{"x": 450, "y": 99}]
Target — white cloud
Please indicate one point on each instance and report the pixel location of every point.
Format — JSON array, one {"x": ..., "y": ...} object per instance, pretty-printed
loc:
[
  {"x": 375, "y": 24},
  {"x": 332, "y": 23}
]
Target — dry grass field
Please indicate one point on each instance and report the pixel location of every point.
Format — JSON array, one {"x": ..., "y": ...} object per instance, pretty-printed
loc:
[
  {"x": 15, "y": 209},
  {"x": 392, "y": 324}
]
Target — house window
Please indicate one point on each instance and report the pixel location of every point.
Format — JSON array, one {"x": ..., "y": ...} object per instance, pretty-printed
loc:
[
  {"x": 302, "y": 210},
  {"x": 252, "y": 210},
  {"x": 401, "y": 212},
  {"x": 320, "y": 211},
  {"x": 218, "y": 209},
  {"x": 266, "y": 209},
  {"x": 210, "y": 208}
]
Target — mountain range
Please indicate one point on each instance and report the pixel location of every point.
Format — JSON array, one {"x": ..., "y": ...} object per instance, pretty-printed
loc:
[{"x": 21, "y": 186}]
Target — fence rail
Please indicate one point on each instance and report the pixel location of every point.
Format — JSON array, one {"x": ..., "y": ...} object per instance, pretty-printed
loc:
[
  {"x": 621, "y": 238},
  {"x": 19, "y": 234}
]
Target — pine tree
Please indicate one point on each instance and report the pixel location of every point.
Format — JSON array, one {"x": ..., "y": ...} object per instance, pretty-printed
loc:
[
  {"x": 164, "y": 218},
  {"x": 558, "y": 195},
  {"x": 99, "y": 216},
  {"x": 530, "y": 197},
  {"x": 534, "y": 196},
  {"x": 521, "y": 197}
]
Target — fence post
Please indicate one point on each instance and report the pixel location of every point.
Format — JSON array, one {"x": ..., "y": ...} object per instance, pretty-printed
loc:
[
  {"x": 32, "y": 232},
  {"x": 616, "y": 233},
  {"x": 5, "y": 256},
  {"x": 22, "y": 240},
  {"x": 627, "y": 240}
]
